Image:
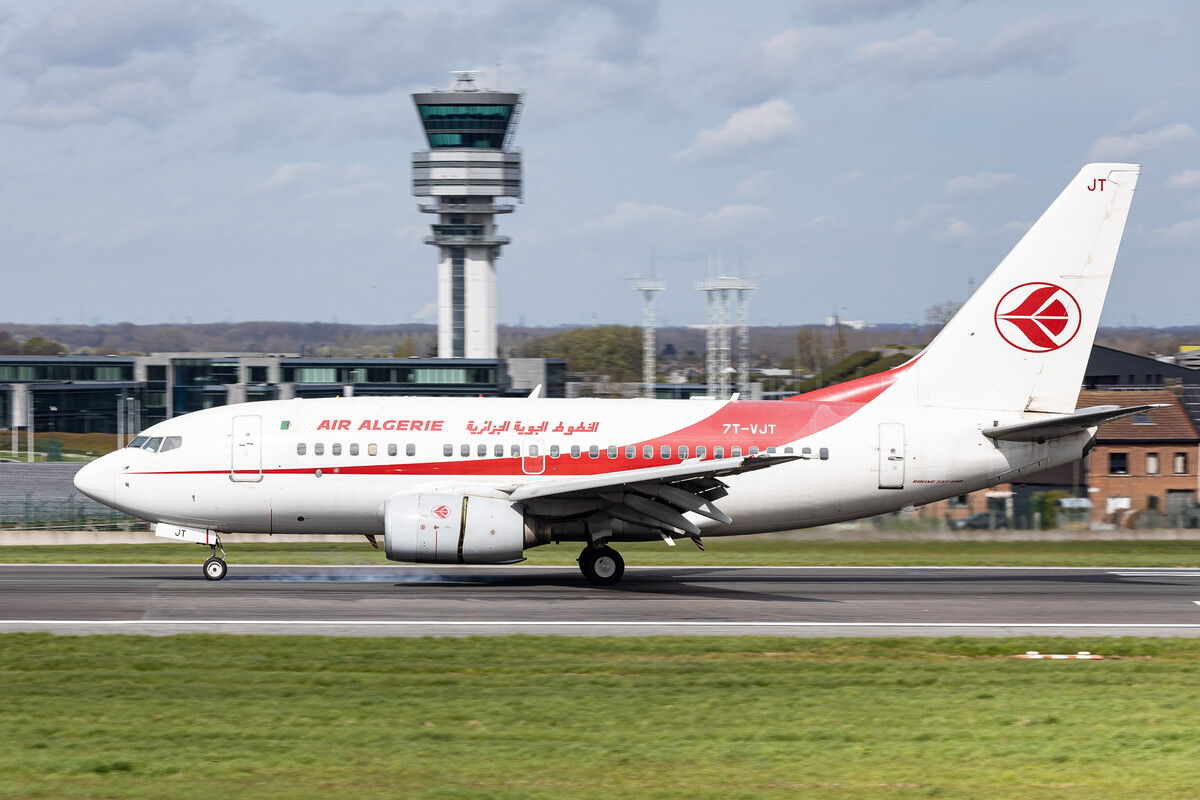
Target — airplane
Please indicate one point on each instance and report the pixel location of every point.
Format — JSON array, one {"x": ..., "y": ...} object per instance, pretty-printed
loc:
[{"x": 481, "y": 480}]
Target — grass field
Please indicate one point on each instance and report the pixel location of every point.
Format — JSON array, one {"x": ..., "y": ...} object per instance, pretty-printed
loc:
[
  {"x": 518, "y": 717},
  {"x": 740, "y": 551}
]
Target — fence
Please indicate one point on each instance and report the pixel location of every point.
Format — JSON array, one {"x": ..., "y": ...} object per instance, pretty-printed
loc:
[{"x": 71, "y": 513}]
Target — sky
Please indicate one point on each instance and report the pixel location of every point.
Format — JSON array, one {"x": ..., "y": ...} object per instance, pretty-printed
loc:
[{"x": 173, "y": 161}]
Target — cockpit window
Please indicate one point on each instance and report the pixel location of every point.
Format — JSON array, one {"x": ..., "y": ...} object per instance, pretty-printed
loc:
[
  {"x": 171, "y": 443},
  {"x": 153, "y": 444},
  {"x": 138, "y": 441}
]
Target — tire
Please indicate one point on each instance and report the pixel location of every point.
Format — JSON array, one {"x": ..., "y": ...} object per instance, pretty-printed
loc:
[
  {"x": 606, "y": 567},
  {"x": 215, "y": 569}
]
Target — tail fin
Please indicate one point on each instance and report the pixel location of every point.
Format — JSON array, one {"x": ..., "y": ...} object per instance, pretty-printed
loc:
[{"x": 1022, "y": 341}]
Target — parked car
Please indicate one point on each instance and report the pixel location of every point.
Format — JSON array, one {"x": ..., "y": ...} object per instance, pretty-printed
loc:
[{"x": 983, "y": 521}]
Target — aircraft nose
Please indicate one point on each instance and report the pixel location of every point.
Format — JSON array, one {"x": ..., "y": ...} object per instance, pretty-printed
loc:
[{"x": 98, "y": 481}]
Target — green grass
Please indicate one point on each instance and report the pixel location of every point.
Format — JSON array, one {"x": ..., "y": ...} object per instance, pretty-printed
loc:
[
  {"x": 740, "y": 551},
  {"x": 518, "y": 717}
]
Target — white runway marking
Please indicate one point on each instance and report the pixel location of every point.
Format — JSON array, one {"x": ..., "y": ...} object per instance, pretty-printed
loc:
[{"x": 591, "y": 623}]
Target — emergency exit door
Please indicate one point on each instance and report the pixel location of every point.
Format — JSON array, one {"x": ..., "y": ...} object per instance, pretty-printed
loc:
[
  {"x": 246, "y": 458},
  {"x": 891, "y": 455}
]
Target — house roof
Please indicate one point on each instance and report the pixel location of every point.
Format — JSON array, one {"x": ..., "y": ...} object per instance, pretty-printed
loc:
[{"x": 1166, "y": 424}]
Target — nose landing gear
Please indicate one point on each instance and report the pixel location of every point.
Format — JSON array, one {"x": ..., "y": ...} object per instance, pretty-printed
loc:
[
  {"x": 602, "y": 566},
  {"x": 215, "y": 568}
]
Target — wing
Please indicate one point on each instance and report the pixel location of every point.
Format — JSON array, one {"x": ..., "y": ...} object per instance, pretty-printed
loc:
[
  {"x": 1055, "y": 425},
  {"x": 641, "y": 502}
]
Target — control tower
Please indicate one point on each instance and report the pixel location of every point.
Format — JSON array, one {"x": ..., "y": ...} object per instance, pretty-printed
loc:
[{"x": 469, "y": 164}]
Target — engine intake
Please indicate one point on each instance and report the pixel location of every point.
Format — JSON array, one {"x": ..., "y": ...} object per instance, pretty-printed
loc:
[{"x": 453, "y": 528}]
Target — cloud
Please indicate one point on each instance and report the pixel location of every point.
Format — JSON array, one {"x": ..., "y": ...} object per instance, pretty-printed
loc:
[
  {"x": 91, "y": 62},
  {"x": 1188, "y": 179},
  {"x": 149, "y": 91},
  {"x": 974, "y": 185},
  {"x": 1185, "y": 232},
  {"x": 89, "y": 33},
  {"x": 821, "y": 56},
  {"x": 311, "y": 180},
  {"x": 836, "y": 12},
  {"x": 956, "y": 230},
  {"x": 732, "y": 219},
  {"x": 630, "y": 215},
  {"x": 288, "y": 176},
  {"x": 757, "y": 186},
  {"x": 378, "y": 50},
  {"x": 1136, "y": 145},
  {"x": 767, "y": 124}
]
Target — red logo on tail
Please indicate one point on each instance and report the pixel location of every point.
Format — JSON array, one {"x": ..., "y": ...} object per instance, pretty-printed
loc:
[{"x": 1038, "y": 317}]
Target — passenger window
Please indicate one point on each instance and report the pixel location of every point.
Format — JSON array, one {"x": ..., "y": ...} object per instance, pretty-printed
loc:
[
  {"x": 554, "y": 451},
  {"x": 770, "y": 451},
  {"x": 683, "y": 451},
  {"x": 372, "y": 449},
  {"x": 481, "y": 451},
  {"x": 533, "y": 451},
  {"x": 300, "y": 448},
  {"x": 574, "y": 451},
  {"x": 789, "y": 450},
  {"x": 448, "y": 450},
  {"x": 593, "y": 452},
  {"x": 718, "y": 452},
  {"x": 465, "y": 450},
  {"x": 410, "y": 450},
  {"x": 700, "y": 451},
  {"x": 753, "y": 451},
  {"x": 735, "y": 452},
  {"x": 392, "y": 450},
  {"x": 665, "y": 451},
  {"x": 153, "y": 444},
  {"x": 647, "y": 451},
  {"x": 824, "y": 451},
  {"x": 354, "y": 448},
  {"x": 806, "y": 452},
  {"x": 630, "y": 451},
  {"x": 612, "y": 451},
  {"x": 336, "y": 449},
  {"x": 516, "y": 451},
  {"x": 138, "y": 441},
  {"x": 319, "y": 449},
  {"x": 171, "y": 443},
  {"x": 498, "y": 451}
]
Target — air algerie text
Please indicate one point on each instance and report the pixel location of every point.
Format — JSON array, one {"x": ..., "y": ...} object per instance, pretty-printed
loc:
[{"x": 382, "y": 425}]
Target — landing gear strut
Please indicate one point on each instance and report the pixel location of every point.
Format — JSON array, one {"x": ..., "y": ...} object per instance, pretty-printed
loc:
[
  {"x": 215, "y": 568},
  {"x": 602, "y": 566}
]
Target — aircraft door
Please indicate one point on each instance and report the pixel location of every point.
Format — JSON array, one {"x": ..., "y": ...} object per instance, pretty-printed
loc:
[
  {"x": 533, "y": 457},
  {"x": 246, "y": 458},
  {"x": 891, "y": 455}
]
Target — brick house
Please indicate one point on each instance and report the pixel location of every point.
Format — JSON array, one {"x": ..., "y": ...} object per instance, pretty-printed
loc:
[{"x": 1143, "y": 469}]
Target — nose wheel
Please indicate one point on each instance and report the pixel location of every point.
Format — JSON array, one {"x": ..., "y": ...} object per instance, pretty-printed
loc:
[
  {"x": 215, "y": 568},
  {"x": 602, "y": 566}
]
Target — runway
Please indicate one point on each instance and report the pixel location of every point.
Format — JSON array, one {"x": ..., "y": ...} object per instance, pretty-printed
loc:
[{"x": 464, "y": 601}]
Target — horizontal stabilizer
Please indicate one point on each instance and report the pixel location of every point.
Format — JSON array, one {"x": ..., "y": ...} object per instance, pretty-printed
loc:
[{"x": 1053, "y": 426}]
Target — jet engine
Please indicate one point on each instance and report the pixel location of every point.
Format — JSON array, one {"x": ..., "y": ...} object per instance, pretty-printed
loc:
[{"x": 442, "y": 527}]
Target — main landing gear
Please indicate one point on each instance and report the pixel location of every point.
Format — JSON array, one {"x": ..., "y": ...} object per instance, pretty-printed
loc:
[
  {"x": 215, "y": 568},
  {"x": 602, "y": 566}
]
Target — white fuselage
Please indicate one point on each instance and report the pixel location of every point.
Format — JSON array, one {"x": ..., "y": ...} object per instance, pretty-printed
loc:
[{"x": 328, "y": 465}]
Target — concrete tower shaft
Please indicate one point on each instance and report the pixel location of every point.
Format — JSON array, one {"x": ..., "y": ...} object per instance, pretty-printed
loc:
[{"x": 469, "y": 164}]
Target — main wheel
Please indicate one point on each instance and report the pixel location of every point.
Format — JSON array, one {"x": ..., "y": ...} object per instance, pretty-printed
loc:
[
  {"x": 215, "y": 569},
  {"x": 602, "y": 566}
]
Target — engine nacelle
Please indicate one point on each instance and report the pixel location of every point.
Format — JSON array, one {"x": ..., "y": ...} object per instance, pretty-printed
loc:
[{"x": 451, "y": 528}]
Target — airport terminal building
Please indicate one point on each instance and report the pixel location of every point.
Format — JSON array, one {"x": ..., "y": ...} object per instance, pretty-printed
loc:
[{"x": 123, "y": 394}]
